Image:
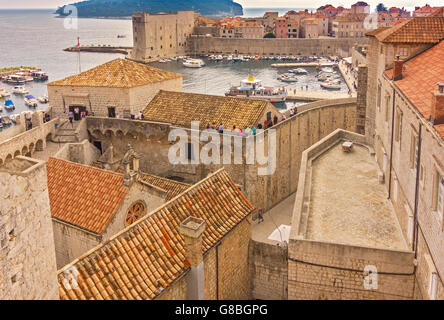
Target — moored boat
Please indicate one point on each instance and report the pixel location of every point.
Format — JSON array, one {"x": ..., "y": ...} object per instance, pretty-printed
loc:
[
  {"x": 9, "y": 105},
  {"x": 330, "y": 85},
  {"x": 19, "y": 90},
  {"x": 288, "y": 77},
  {"x": 252, "y": 88},
  {"x": 299, "y": 71},
  {"x": 39, "y": 75},
  {"x": 4, "y": 93},
  {"x": 30, "y": 101},
  {"x": 43, "y": 99},
  {"x": 194, "y": 63}
]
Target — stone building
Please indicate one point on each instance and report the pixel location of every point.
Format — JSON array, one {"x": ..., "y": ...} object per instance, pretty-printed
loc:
[
  {"x": 119, "y": 87},
  {"x": 404, "y": 103},
  {"x": 248, "y": 30},
  {"x": 27, "y": 254},
  {"x": 90, "y": 205},
  {"x": 349, "y": 25},
  {"x": 161, "y": 35},
  {"x": 193, "y": 247}
]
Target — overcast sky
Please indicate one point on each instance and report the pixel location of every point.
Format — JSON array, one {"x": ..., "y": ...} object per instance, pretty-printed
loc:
[{"x": 9, "y": 4}]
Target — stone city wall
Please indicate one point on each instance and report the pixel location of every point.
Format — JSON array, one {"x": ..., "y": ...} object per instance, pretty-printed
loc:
[
  {"x": 27, "y": 253},
  {"x": 271, "y": 47},
  {"x": 268, "y": 271}
]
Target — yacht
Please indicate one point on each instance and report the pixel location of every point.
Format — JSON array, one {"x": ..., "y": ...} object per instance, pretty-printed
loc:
[
  {"x": 19, "y": 90},
  {"x": 39, "y": 75},
  {"x": 252, "y": 88},
  {"x": 330, "y": 85},
  {"x": 288, "y": 77},
  {"x": 4, "y": 93},
  {"x": 30, "y": 101},
  {"x": 194, "y": 63},
  {"x": 9, "y": 105},
  {"x": 15, "y": 79},
  {"x": 328, "y": 70}
]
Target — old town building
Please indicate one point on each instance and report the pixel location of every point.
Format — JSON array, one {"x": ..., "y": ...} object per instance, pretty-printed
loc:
[
  {"x": 349, "y": 26},
  {"x": 117, "y": 88},
  {"x": 193, "y": 247}
]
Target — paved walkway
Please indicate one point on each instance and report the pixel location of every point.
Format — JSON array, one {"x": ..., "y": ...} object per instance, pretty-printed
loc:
[
  {"x": 280, "y": 214},
  {"x": 307, "y": 95},
  {"x": 51, "y": 149},
  {"x": 348, "y": 76}
]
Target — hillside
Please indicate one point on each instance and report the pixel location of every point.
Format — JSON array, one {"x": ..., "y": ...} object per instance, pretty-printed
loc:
[{"x": 125, "y": 8}]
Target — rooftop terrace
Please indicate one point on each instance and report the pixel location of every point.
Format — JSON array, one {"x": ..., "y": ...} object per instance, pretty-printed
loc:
[{"x": 342, "y": 201}]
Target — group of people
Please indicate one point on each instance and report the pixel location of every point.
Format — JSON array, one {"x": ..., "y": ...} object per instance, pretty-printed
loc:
[{"x": 247, "y": 131}]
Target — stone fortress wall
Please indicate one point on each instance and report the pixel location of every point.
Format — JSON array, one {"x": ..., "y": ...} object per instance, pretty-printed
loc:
[
  {"x": 293, "y": 136},
  {"x": 319, "y": 47}
]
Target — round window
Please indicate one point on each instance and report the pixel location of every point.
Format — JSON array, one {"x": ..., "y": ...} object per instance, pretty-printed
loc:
[{"x": 136, "y": 211}]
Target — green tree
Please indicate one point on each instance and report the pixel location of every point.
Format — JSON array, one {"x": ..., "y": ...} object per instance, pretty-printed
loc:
[
  {"x": 381, "y": 8},
  {"x": 270, "y": 35}
]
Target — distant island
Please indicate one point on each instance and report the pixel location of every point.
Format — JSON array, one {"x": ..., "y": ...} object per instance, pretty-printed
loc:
[{"x": 126, "y": 8}]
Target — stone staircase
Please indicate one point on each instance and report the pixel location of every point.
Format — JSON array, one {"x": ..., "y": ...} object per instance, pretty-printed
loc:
[{"x": 66, "y": 133}]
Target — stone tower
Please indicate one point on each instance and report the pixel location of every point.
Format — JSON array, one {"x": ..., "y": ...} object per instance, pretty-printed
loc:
[{"x": 27, "y": 251}]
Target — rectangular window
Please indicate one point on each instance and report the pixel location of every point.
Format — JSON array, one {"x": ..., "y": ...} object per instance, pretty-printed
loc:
[
  {"x": 403, "y": 52},
  {"x": 189, "y": 151},
  {"x": 398, "y": 126},
  {"x": 433, "y": 285},
  {"x": 387, "y": 106},
  {"x": 440, "y": 196},
  {"x": 379, "y": 97},
  {"x": 414, "y": 152}
]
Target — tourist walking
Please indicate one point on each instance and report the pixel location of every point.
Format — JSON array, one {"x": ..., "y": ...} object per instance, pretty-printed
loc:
[
  {"x": 221, "y": 128},
  {"x": 260, "y": 215},
  {"x": 275, "y": 120},
  {"x": 71, "y": 117}
]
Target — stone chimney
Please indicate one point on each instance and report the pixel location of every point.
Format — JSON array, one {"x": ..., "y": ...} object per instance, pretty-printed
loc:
[
  {"x": 192, "y": 229},
  {"x": 437, "y": 116},
  {"x": 397, "y": 68}
]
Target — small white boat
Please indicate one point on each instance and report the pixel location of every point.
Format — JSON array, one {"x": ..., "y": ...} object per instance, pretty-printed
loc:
[
  {"x": 299, "y": 71},
  {"x": 30, "y": 101},
  {"x": 163, "y": 61},
  {"x": 193, "y": 63},
  {"x": 288, "y": 77},
  {"x": 43, "y": 99},
  {"x": 252, "y": 88},
  {"x": 330, "y": 85},
  {"x": 13, "y": 119},
  {"x": 6, "y": 121},
  {"x": 328, "y": 70},
  {"x": 20, "y": 90},
  {"x": 4, "y": 93}
]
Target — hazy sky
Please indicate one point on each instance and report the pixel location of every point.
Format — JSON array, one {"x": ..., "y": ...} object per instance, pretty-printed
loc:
[{"x": 246, "y": 3}]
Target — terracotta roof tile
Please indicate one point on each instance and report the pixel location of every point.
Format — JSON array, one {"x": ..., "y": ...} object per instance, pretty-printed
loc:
[
  {"x": 172, "y": 188},
  {"x": 149, "y": 253},
  {"x": 118, "y": 73},
  {"x": 416, "y": 30},
  {"x": 420, "y": 79},
  {"x": 180, "y": 108},
  {"x": 83, "y": 196}
]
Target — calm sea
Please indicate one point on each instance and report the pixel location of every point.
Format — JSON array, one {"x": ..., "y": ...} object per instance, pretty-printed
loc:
[{"x": 37, "y": 38}]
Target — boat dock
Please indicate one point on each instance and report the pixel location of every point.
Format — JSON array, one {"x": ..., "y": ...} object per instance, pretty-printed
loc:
[
  {"x": 307, "y": 95},
  {"x": 303, "y": 64},
  {"x": 100, "y": 49}
]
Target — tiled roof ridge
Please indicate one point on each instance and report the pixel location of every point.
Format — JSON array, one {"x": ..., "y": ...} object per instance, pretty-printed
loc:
[
  {"x": 135, "y": 225},
  {"x": 391, "y": 32},
  {"x": 87, "y": 166},
  {"x": 165, "y": 179}
]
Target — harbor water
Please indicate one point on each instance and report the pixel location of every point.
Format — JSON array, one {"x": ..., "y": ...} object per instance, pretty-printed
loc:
[{"x": 37, "y": 38}]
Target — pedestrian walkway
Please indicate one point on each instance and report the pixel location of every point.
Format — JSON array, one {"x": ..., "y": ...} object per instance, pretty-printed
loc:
[
  {"x": 307, "y": 95},
  {"x": 348, "y": 76}
]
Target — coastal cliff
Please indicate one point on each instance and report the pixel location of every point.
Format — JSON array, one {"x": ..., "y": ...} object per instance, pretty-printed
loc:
[{"x": 126, "y": 8}]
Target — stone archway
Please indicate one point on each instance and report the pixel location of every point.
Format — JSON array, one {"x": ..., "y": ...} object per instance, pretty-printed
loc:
[
  {"x": 48, "y": 137},
  {"x": 9, "y": 157},
  {"x": 39, "y": 145},
  {"x": 16, "y": 153},
  {"x": 109, "y": 133},
  {"x": 24, "y": 150}
]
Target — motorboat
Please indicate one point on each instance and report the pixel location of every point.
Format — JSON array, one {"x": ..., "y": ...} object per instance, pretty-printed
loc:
[
  {"x": 26, "y": 76},
  {"x": 121, "y": 36},
  {"x": 9, "y": 105},
  {"x": 13, "y": 118},
  {"x": 162, "y": 61},
  {"x": 299, "y": 71},
  {"x": 330, "y": 85},
  {"x": 43, "y": 99},
  {"x": 39, "y": 75},
  {"x": 288, "y": 77},
  {"x": 6, "y": 121},
  {"x": 20, "y": 90},
  {"x": 194, "y": 63},
  {"x": 4, "y": 93},
  {"x": 252, "y": 88},
  {"x": 30, "y": 101},
  {"x": 15, "y": 79},
  {"x": 328, "y": 70}
]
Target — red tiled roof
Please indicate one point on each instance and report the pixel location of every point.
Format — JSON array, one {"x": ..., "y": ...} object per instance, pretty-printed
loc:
[
  {"x": 84, "y": 196},
  {"x": 148, "y": 256},
  {"x": 416, "y": 30},
  {"x": 172, "y": 188},
  {"x": 420, "y": 79}
]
